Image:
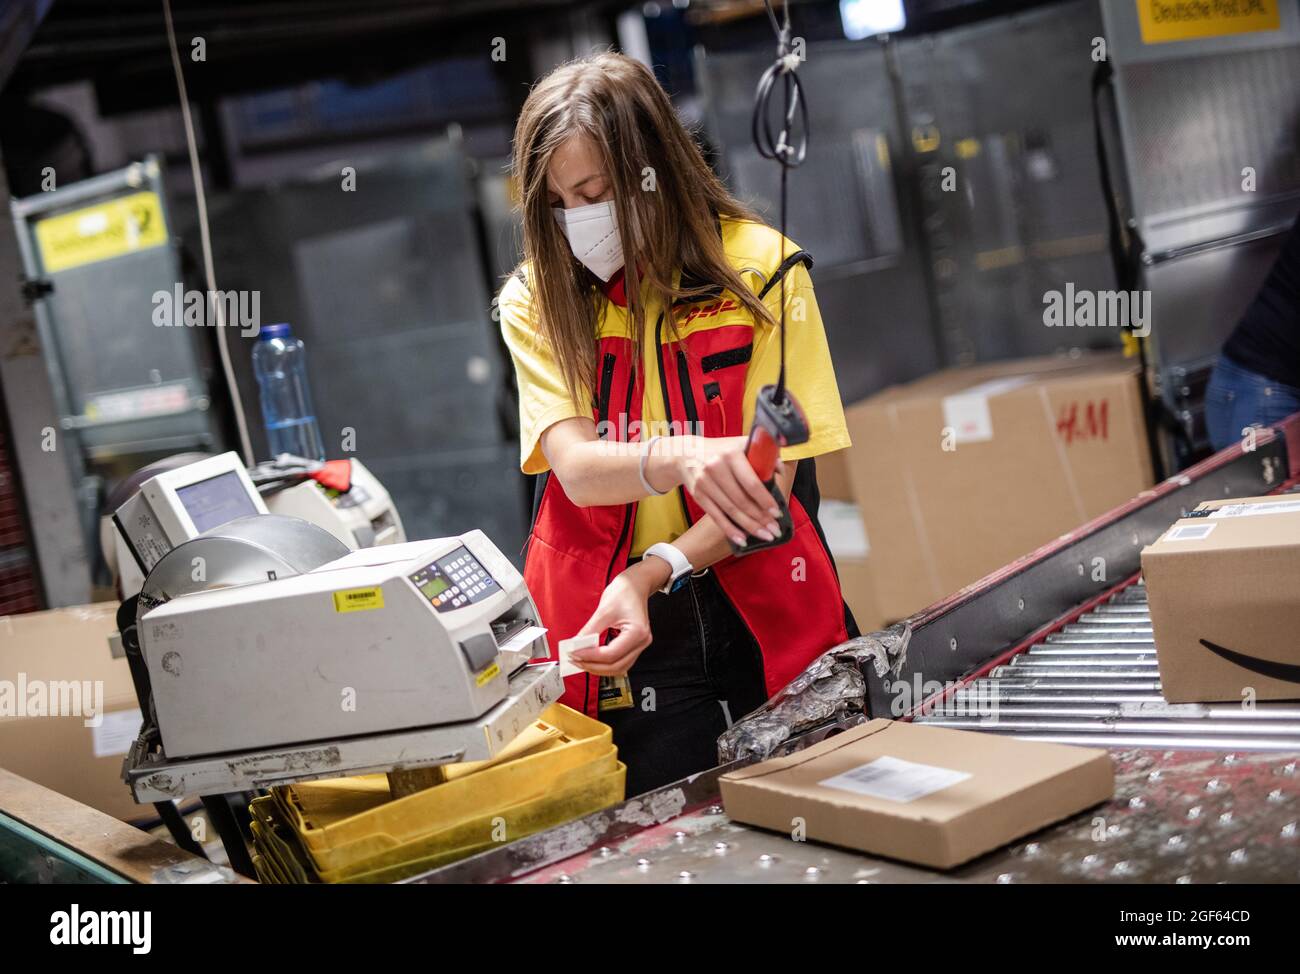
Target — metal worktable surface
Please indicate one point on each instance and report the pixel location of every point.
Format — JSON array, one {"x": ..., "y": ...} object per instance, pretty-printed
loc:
[{"x": 1178, "y": 816}]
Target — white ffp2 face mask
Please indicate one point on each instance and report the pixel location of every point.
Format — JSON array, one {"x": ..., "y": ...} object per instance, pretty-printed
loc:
[{"x": 593, "y": 237}]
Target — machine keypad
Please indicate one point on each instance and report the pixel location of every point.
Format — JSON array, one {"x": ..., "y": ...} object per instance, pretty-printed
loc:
[{"x": 454, "y": 580}]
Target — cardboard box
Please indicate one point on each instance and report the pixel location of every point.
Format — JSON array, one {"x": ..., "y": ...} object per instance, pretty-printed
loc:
[
  {"x": 41, "y": 655},
  {"x": 846, "y": 536},
  {"x": 833, "y": 476},
  {"x": 963, "y": 471},
  {"x": 857, "y": 582},
  {"x": 922, "y": 794},
  {"x": 1224, "y": 588}
]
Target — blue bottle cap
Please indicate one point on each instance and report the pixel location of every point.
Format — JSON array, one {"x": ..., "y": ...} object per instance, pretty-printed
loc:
[{"x": 278, "y": 330}]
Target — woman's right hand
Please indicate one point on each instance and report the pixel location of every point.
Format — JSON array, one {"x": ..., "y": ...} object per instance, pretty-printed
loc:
[{"x": 717, "y": 474}]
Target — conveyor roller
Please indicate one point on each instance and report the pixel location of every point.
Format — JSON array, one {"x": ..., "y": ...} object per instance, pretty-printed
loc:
[{"x": 1095, "y": 681}]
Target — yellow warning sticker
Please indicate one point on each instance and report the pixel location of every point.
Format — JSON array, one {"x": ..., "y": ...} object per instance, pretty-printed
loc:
[
  {"x": 490, "y": 673},
  {"x": 1162, "y": 21},
  {"x": 358, "y": 599},
  {"x": 100, "y": 232}
]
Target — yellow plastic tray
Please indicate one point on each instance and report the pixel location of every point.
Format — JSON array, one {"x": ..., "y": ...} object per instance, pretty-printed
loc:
[
  {"x": 283, "y": 857},
  {"x": 573, "y": 795},
  {"x": 335, "y": 799},
  {"x": 459, "y": 842},
  {"x": 279, "y": 858},
  {"x": 340, "y": 824},
  {"x": 268, "y": 867}
]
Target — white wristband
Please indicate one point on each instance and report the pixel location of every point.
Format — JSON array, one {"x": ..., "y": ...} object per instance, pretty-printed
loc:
[
  {"x": 678, "y": 564},
  {"x": 646, "y": 447}
]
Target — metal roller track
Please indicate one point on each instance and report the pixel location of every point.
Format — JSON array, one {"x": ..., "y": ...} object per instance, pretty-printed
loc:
[{"x": 1096, "y": 681}]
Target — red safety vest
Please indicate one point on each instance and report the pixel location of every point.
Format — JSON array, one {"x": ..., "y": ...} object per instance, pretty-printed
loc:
[{"x": 788, "y": 597}]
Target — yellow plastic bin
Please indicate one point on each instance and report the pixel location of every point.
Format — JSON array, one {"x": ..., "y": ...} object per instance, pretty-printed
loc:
[
  {"x": 345, "y": 827},
  {"x": 279, "y": 847},
  {"x": 564, "y": 804},
  {"x": 335, "y": 799}
]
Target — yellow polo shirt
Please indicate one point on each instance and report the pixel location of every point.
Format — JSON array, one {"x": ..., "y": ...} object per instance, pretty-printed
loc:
[{"x": 543, "y": 400}]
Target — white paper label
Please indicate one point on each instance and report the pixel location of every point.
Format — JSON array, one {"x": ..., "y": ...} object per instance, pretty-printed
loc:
[
  {"x": 567, "y": 646},
  {"x": 136, "y": 403},
  {"x": 1253, "y": 510},
  {"x": 967, "y": 413},
  {"x": 846, "y": 535},
  {"x": 117, "y": 732},
  {"x": 522, "y": 639},
  {"x": 895, "y": 780},
  {"x": 1189, "y": 532}
]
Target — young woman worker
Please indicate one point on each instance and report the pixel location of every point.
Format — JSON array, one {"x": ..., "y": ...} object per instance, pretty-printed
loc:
[{"x": 642, "y": 323}]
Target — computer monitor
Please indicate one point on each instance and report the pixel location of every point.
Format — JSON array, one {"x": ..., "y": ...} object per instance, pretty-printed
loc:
[{"x": 180, "y": 504}]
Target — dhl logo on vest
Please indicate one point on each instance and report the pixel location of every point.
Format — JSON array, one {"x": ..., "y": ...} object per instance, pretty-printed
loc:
[{"x": 710, "y": 310}]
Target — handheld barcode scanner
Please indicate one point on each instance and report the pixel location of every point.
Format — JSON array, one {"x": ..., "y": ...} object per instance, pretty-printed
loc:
[{"x": 778, "y": 419}]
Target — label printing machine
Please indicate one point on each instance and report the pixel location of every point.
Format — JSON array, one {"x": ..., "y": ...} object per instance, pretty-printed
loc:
[
  {"x": 264, "y": 652},
  {"x": 1203, "y": 793}
]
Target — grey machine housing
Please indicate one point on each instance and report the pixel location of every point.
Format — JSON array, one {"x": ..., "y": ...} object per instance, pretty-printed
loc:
[{"x": 375, "y": 641}]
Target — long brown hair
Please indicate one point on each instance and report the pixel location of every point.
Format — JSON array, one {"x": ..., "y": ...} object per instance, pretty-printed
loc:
[{"x": 666, "y": 198}]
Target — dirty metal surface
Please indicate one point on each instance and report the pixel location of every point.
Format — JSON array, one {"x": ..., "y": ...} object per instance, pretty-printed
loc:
[
  {"x": 1177, "y": 817},
  {"x": 153, "y": 777}
]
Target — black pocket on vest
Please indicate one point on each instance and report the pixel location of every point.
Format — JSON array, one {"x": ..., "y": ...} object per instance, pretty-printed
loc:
[{"x": 728, "y": 357}]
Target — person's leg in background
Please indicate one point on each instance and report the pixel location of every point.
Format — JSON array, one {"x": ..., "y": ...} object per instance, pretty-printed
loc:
[{"x": 1237, "y": 398}]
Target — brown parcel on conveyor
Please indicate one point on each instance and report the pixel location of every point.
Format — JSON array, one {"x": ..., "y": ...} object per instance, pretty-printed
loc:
[
  {"x": 926, "y": 795},
  {"x": 1224, "y": 590}
]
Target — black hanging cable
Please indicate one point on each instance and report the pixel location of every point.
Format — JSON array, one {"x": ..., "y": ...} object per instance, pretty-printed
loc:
[{"x": 777, "y": 144}]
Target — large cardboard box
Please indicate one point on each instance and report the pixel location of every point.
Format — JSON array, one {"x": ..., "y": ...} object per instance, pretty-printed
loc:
[
  {"x": 963, "y": 471},
  {"x": 58, "y": 662},
  {"x": 833, "y": 476},
  {"x": 858, "y": 585},
  {"x": 922, "y": 794},
  {"x": 846, "y": 536},
  {"x": 1224, "y": 589}
]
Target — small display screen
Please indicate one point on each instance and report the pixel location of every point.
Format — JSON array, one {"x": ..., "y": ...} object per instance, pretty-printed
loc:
[
  {"x": 435, "y": 586},
  {"x": 212, "y": 502}
]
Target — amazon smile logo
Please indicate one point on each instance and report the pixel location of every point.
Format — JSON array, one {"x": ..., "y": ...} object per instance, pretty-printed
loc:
[{"x": 1289, "y": 672}]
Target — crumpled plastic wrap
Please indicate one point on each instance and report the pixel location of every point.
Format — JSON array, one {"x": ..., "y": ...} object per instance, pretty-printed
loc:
[{"x": 832, "y": 685}]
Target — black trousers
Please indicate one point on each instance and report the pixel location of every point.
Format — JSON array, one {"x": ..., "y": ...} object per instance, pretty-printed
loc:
[{"x": 702, "y": 671}]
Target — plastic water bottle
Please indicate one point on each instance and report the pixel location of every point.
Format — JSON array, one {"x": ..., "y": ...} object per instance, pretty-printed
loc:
[{"x": 280, "y": 363}]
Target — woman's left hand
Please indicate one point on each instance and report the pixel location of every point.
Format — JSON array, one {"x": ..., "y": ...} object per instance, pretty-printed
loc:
[
  {"x": 622, "y": 607},
  {"x": 715, "y": 471}
]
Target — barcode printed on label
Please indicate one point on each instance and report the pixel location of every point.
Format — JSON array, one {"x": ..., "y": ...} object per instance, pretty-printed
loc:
[
  {"x": 894, "y": 779},
  {"x": 1254, "y": 510},
  {"x": 1189, "y": 532}
]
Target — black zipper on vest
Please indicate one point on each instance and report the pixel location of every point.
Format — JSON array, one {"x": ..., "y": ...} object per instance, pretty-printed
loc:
[
  {"x": 607, "y": 380},
  {"x": 606, "y": 384},
  {"x": 668, "y": 408},
  {"x": 627, "y": 508},
  {"x": 688, "y": 394}
]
